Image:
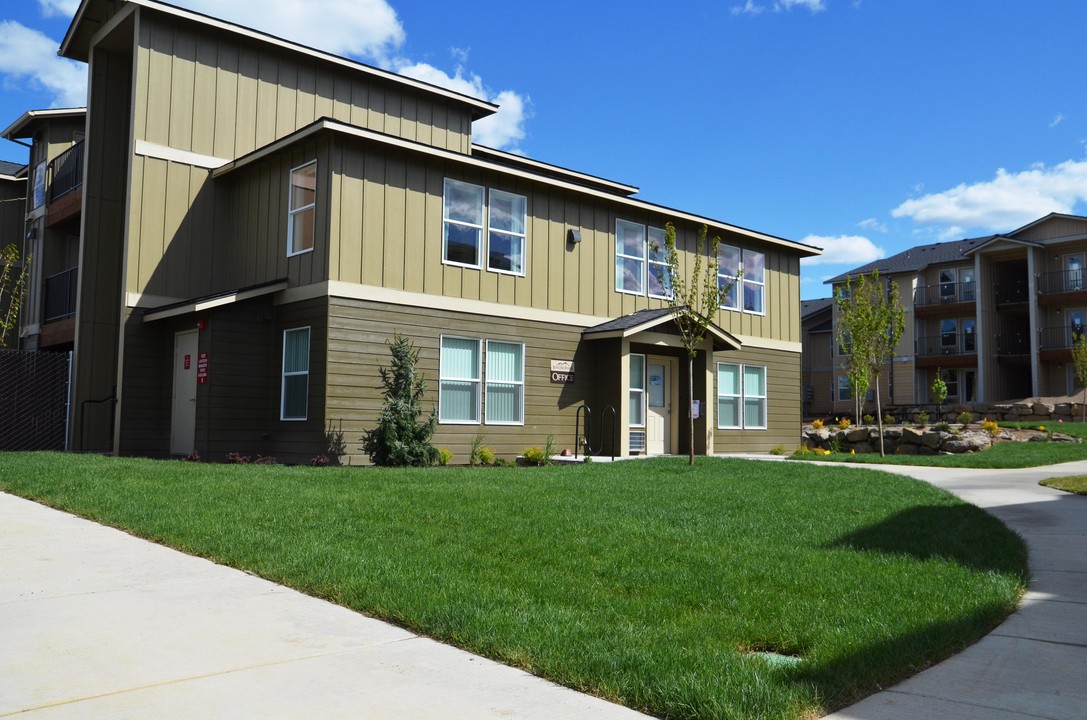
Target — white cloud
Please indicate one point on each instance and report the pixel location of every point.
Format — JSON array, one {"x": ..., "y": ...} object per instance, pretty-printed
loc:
[
  {"x": 750, "y": 7},
  {"x": 504, "y": 129},
  {"x": 872, "y": 224},
  {"x": 1057, "y": 120},
  {"x": 842, "y": 249},
  {"x": 62, "y": 8},
  {"x": 1006, "y": 202},
  {"x": 359, "y": 28},
  {"x": 30, "y": 58}
]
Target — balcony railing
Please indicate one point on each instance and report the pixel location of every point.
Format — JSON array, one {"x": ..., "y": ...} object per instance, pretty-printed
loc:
[
  {"x": 60, "y": 295},
  {"x": 947, "y": 344},
  {"x": 1012, "y": 292},
  {"x": 944, "y": 293},
  {"x": 66, "y": 172},
  {"x": 1062, "y": 281},
  {"x": 1013, "y": 343},
  {"x": 1056, "y": 338}
]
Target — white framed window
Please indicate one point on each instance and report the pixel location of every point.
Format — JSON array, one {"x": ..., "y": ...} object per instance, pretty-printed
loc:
[
  {"x": 741, "y": 396},
  {"x": 459, "y": 374},
  {"x": 637, "y": 390},
  {"x": 729, "y": 395},
  {"x": 743, "y": 272},
  {"x": 301, "y": 210},
  {"x": 754, "y": 265},
  {"x": 629, "y": 257},
  {"x": 507, "y": 217},
  {"x": 728, "y": 271},
  {"x": 294, "y": 396},
  {"x": 462, "y": 223},
  {"x": 754, "y": 397},
  {"x": 845, "y": 390},
  {"x": 660, "y": 271},
  {"x": 505, "y": 384}
]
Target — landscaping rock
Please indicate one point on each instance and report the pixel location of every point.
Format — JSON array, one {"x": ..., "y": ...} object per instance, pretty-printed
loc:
[
  {"x": 934, "y": 439},
  {"x": 818, "y": 436},
  {"x": 912, "y": 436},
  {"x": 857, "y": 435},
  {"x": 970, "y": 442},
  {"x": 1061, "y": 437},
  {"x": 1044, "y": 409}
]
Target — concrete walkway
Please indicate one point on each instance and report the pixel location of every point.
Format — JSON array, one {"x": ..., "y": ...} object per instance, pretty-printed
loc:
[
  {"x": 1034, "y": 665},
  {"x": 95, "y": 623}
]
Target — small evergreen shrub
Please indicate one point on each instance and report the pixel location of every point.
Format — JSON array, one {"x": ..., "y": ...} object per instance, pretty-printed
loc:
[
  {"x": 888, "y": 419},
  {"x": 486, "y": 456},
  {"x": 777, "y": 450},
  {"x": 990, "y": 426},
  {"x": 400, "y": 438},
  {"x": 869, "y": 419},
  {"x": 817, "y": 424},
  {"x": 942, "y": 427},
  {"x": 844, "y": 423},
  {"x": 802, "y": 450},
  {"x": 922, "y": 418},
  {"x": 444, "y": 456},
  {"x": 965, "y": 418}
]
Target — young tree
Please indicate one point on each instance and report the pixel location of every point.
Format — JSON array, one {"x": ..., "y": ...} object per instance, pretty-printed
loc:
[
  {"x": 695, "y": 301},
  {"x": 874, "y": 319},
  {"x": 11, "y": 293},
  {"x": 400, "y": 439},
  {"x": 1079, "y": 362},
  {"x": 939, "y": 393}
]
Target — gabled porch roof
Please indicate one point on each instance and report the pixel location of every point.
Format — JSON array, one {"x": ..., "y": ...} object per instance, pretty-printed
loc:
[{"x": 635, "y": 323}]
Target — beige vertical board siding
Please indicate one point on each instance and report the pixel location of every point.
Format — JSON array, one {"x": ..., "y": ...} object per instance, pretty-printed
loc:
[
  {"x": 183, "y": 76},
  {"x": 783, "y": 409},
  {"x": 373, "y": 220},
  {"x": 176, "y": 235},
  {"x": 360, "y": 102},
  {"x": 424, "y": 117},
  {"x": 349, "y": 238},
  {"x": 1057, "y": 227},
  {"x": 415, "y": 234},
  {"x": 287, "y": 120},
  {"x": 376, "y": 109},
  {"x": 227, "y": 80},
  {"x": 396, "y": 222}
]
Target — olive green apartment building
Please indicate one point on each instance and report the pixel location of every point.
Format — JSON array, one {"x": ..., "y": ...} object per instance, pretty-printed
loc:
[{"x": 257, "y": 219}]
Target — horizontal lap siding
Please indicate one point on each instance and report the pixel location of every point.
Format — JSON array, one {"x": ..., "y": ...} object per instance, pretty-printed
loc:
[
  {"x": 783, "y": 403},
  {"x": 358, "y": 332}
]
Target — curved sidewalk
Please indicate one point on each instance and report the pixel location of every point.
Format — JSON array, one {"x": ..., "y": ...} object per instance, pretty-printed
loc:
[
  {"x": 95, "y": 623},
  {"x": 1034, "y": 665}
]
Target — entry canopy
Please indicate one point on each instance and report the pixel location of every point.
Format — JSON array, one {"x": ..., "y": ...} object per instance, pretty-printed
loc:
[{"x": 662, "y": 321}]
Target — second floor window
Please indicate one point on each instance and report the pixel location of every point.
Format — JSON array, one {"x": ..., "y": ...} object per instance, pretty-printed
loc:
[
  {"x": 301, "y": 210},
  {"x": 464, "y": 217},
  {"x": 641, "y": 260},
  {"x": 741, "y": 277},
  {"x": 506, "y": 238}
]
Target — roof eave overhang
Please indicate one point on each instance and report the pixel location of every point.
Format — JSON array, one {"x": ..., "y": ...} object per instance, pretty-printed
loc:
[
  {"x": 24, "y": 127},
  {"x": 1001, "y": 239},
  {"x": 722, "y": 340},
  {"x": 213, "y": 301}
]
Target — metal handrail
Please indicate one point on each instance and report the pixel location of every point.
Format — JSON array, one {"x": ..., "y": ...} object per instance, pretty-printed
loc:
[
  {"x": 1062, "y": 281},
  {"x": 588, "y": 430},
  {"x": 944, "y": 293},
  {"x": 66, "y": 172}
]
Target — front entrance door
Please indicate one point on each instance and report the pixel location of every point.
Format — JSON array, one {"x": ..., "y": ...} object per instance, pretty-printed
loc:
[
  {"x": 183, "y": 416},
  {"x": 658, "y": 421}
]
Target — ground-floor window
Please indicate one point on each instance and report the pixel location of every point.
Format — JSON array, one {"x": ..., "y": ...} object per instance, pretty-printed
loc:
[
  {"x": 741, "y": 396},
  {"x": 505, "y": 399},
  {"x": 459, "y": 380},
  {"x": 637, "y": 390},
  {"x": 845, "y": 390},
  {"x": 464, "y": 368},
  {"x": 295, "y": 390}
]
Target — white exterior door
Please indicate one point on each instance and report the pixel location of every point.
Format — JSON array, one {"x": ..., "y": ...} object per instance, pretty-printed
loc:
[
  {"x": 183, "y": 415},
  {"x": 658, "y": 421}
]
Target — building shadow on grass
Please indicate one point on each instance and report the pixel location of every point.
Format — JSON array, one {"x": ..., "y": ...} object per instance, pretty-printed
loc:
[{"x": 963, "y": 534}]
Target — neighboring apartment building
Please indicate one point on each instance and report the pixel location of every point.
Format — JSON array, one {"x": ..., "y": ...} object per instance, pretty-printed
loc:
[
  {"x": 995, "y": 315},
  {"x": 259, "y": 218},
  {"x": 817, "y": 363},
  {"x": 12, "y": 204}
]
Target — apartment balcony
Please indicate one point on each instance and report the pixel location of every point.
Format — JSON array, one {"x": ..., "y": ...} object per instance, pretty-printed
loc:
[
  {"x": 1055, "y": 342},
  {"x": 944, "y": 299},
  {"x": 65, "y": 182},
  {"x": 949, "y": 350},
  {"x": 59, "y": 302},
  {"x": 1011, "y": 292},
  {"x": 1064, "y": 287}
]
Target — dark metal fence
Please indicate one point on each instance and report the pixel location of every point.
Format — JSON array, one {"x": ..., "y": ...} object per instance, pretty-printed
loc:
[
  {"x": 66, "y": 171},
  {"x": 34, "y": 400},
  {"x": 944, "y": 293},
  {"x": 60, "y": 295}
]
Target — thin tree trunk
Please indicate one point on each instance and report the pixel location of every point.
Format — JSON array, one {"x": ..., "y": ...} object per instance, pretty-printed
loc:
[
  {"x": 879, "y": 419},
  {"x": 1085, "y": 404},
  {"x": 690, "y": 405}
]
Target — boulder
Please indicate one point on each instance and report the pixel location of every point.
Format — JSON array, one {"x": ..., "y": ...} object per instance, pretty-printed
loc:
[
  {"x": 818, "y": 436},
  {"x": 970, "y": 442},
  {"x": 1042, "y": 409},
  {"x": 934, "y": 439},
  {"x": 892, "y": 434},
  {"x": 912, "y": 436},
  {"x": 857, "y": 435},
  {"x": 1061, "y": 437}
]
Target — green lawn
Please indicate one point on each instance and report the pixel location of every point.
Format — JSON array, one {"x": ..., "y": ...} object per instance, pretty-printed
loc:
[
  {"x": 1001, "y": 455},
  {"x": 1074, "y": 484},
  {"x": 641, "y": 582},
  {"x": 1075, "y": 429}
]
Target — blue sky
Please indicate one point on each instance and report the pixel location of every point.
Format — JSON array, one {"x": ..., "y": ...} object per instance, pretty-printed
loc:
[{"x": 863, "y": 126}]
